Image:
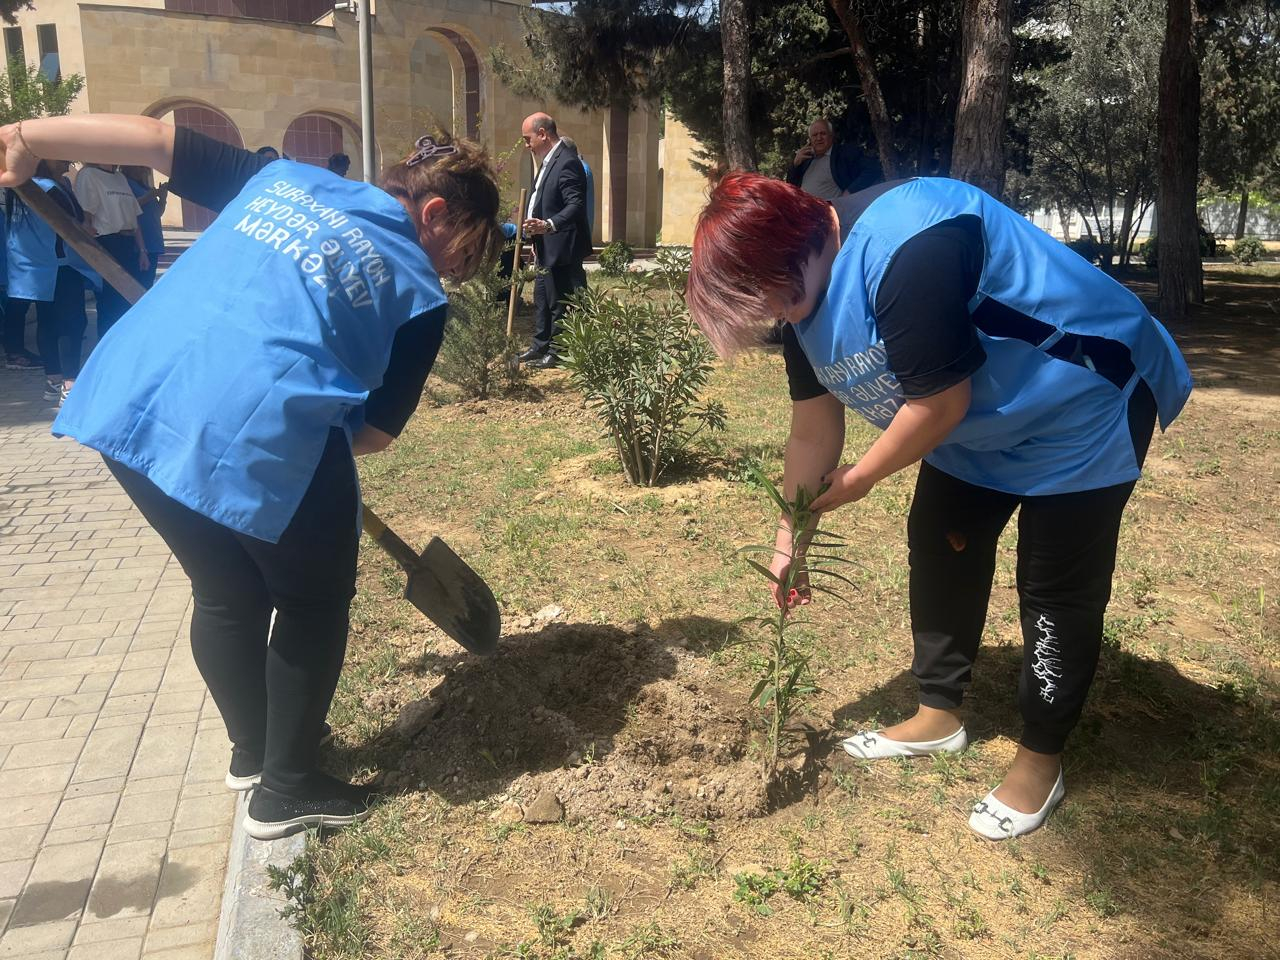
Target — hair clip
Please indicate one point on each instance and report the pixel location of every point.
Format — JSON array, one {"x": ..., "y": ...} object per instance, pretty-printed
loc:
[{"x": 427, "y": 149}]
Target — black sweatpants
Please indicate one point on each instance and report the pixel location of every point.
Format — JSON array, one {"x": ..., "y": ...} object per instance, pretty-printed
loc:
[
  {"x": 273, "y": 696},
  {"x": 1066, "y": 556},
  {"x": 60, "y": 325},
  {"x": 549, "y": 292}
]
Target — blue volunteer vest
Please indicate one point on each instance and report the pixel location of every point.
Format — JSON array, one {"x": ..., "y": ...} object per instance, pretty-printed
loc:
[
  {"x": 222, "y": 383},
  {"x": 1036, "y": 424},
  {"x": 32, "y": 252}
]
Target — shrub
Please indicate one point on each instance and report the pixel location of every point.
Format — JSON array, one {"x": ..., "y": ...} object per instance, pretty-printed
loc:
[
  {"x": 1151, "y": 254},
  {"x": 641, "y": 365},
  {"x": 673, "y": 267},
  {"x": 1248, "y": 250},
  {"x": 1090, "y": 249},
  {"x": 477, "y": 356},
  {"x": 1150, "y": 251},
  {"x": 1208, "y": 242},
  {"x": 616, "y": 256}
]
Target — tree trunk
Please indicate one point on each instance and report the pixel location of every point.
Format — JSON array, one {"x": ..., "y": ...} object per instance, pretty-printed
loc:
[
  {"x": 881, "y": 126},
  {"x": 735, "y": 40},
  {"x": 987, "y": 41},
  {"x": 1242, "y": 219},
  {"x": 1126, "y": 225},
  {"x": 1181, "y": 273},
  {"x": 1065, "y": 220}
]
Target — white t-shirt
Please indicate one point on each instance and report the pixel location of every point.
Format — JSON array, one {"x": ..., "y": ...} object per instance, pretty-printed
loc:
[
  {"x": 108, "y": 199},
  {"x": 818, "y": 180}
]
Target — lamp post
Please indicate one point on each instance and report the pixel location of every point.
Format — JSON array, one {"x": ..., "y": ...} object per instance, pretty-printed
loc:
[{"x": 364, "y": 26}]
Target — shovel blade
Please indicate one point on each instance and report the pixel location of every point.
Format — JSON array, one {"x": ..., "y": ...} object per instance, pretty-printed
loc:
[{"x": 455, "y": 598}]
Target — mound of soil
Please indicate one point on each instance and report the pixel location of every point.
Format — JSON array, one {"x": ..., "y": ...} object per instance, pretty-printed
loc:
[{"x": 613, "y": 722}]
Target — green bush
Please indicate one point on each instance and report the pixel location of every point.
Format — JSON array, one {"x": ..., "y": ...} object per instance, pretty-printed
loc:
[
  {"x": 673, "y": 267},
  {"x": 1149, "y": 250},
  {"x": 1208, "y": 243},
  {"x": 477, "y": 356},
  {"x": 641, "y": 365},
  {"x": 1090, "y": 249},
  {"x": 616, "y": 256},
  {"x": 1248, "y": 250}
]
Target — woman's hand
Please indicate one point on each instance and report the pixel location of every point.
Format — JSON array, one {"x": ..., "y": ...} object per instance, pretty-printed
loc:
[
  {"x": 846, "y": 484},
  {"x": 19, "y": 161},
  {"x": 780, "y": 568},
  {"x": 144, "y": 262}
]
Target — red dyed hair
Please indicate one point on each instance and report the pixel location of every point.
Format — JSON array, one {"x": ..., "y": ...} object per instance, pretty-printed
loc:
[{"x": 751, "y": 244}]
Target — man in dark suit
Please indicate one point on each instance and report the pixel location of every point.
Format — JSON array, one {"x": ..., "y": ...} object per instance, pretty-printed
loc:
[{"x": 556, "y": 220}]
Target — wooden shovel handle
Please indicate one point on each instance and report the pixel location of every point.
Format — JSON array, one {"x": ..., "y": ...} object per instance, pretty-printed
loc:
[
  {"x": 389, "y": 541},
  {"x": 515, "y": 261},
  {"x": 81, "y": 241}
]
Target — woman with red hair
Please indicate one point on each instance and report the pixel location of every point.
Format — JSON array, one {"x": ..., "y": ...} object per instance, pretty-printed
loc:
[{"x": 1021, "y": 376}]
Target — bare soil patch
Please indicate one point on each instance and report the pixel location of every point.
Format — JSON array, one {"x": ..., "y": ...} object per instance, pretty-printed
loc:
[{"x": 627, "y": 705}]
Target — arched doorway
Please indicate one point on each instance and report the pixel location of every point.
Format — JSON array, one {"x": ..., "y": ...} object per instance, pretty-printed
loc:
[
  {"x": 313, "y": 138},
  {"x": 217, "y": 126}
]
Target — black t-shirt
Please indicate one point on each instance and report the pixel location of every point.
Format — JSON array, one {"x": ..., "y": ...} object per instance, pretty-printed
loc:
[
  {"x": 211, "y": 173},
  {"x": 922, "y": 313}
]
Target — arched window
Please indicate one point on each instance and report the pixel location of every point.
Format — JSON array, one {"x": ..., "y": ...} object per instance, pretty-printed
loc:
[
  {"x": 465, "y": 70},
  {"x": 312, "y": 138},
  {"x": 212, "y": 124}
]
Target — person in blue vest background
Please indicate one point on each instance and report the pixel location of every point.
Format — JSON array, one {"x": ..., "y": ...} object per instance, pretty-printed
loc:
[
  {"x": 152, "y": 200},
  {"x": 1023, "y": 376},
  {"x": 591, "y": 184},
  {"x": 229, "y": 401},
  {"x": 45, "y": 271}
]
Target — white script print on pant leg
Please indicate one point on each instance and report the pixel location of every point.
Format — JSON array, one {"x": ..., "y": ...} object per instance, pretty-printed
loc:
[{"x": 1047, "y": 666}]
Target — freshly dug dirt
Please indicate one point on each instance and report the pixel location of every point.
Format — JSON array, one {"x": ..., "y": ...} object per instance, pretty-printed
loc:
[{"x": 614, "y": 722}]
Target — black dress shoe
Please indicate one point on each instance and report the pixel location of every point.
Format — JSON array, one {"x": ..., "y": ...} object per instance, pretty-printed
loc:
[
  {"x": 530, "y": 355},
  {"x": 545, "y": 362}
]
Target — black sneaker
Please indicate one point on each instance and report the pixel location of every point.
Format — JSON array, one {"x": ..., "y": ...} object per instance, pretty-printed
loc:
[
  {"x": 329, "y": 802},
  {"x": 245, "y": 771}
]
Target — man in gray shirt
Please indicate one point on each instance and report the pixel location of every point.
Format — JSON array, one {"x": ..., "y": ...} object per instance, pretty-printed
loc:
[{"x": 829, "y": 170}]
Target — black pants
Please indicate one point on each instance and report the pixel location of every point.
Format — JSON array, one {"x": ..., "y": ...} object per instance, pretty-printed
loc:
[
  {"x": 15, "y": 325},
  {"x": 1066, "y": 556},
  {"x": 111, "y": 305},
  {"x": 273, "y": 697},
  {"x": 549, "y": 292},
  {"x": 60, "y": 325}
]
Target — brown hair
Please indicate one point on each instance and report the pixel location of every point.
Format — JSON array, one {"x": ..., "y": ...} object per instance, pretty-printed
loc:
[{"x": 461, "y": 174}]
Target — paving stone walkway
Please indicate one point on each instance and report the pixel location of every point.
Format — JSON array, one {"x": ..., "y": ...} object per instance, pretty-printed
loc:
[{"x": 114, "y": 822}]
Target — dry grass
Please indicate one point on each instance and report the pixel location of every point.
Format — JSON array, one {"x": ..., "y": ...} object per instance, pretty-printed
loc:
[{"x": 1168, "y": 845}]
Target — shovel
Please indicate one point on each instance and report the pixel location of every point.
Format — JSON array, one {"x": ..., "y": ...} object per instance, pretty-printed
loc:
[{"x": 441, "y": 585}]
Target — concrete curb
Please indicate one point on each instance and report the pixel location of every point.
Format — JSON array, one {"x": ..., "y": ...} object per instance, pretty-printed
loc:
[{"x": 250, "y": 927}]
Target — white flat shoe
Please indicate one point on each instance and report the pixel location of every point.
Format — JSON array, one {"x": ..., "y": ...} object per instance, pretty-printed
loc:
[
  {"x": 874, "y": 745},
  {"x": 996, "y": 821}
]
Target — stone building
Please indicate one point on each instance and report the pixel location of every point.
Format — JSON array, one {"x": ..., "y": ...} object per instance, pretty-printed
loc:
[{"x": 285, "y": 73}]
